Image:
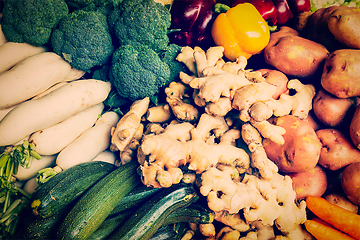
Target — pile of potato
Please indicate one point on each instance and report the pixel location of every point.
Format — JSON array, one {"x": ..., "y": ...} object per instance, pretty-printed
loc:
[{"x": 323, "y": 48}]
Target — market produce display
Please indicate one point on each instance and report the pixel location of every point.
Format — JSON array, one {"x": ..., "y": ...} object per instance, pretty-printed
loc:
[{"x": 179, "y": 119}]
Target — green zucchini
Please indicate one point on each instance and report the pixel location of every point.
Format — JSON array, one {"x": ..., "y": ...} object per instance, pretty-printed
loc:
[
  {"x": 95, "y": 205},
  {"x": 147, "y": 219},
  {"x": 136, "y": 197},
  {"x": 66, "y": 186},
  {"x": 170, "y": 231},
  {"x": 194, "y": 213},
  {"x": 109, "y": 225}
]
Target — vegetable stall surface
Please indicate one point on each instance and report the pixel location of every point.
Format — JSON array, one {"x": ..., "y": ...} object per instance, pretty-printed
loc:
[{"x": 231, "y": 131}]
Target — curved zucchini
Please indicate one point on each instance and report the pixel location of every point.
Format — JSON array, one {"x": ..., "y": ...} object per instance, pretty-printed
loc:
[
  {"x": 66, "y": 186},
  {"x": 95, "y": 205},
  {"x": 147, "y": 219},
  {"x": 109, "y": 225},
  {"x": 194, "y": 214},
  {"x": 136, "y": 197}
]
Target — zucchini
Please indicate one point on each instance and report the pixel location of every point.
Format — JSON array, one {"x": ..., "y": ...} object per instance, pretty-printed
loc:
[
  {"x": 194, "y": 213},
  {"x": 66, "y": 186},
  {"x": 170, "y": 231},
  {"x": 95, "y": 205},
  {"x": 147, "y": 219},
  {"x": 136, "y": 197},
  {"x": 109, "y": 225}
]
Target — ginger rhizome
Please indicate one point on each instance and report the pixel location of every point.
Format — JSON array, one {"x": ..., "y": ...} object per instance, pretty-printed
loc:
[
  {"x": 161, "y": 155},
  {"x": 271, "y": 202}
]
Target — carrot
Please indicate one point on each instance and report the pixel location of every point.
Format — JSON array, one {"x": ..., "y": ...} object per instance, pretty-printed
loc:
[
  {"x": 323, "y": 232},
  {"x": 342, "y": 219}
]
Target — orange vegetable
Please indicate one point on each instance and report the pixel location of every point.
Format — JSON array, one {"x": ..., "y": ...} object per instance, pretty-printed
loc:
[
  {"x": 241, "y": 30},
  {"x": 323, "y": 232},
  {"x": 342, "y": 219}
]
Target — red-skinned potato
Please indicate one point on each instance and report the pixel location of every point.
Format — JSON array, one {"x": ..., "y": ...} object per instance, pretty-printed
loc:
[
  {"x": 341, "y": 73},
  {"x": 350, "y": 182},
  {"x": 301, "y": 150},
  {"x": 294, "y": 55},
  {"x": 309, "y": 183},
  {"x": 276, "y": 78},
  {"x": 342, "y": 201},
  {"x": 331, "y": 110},
  {"x": 337, "y": 151},
  {"x": 313, "y": 120},
  {"x": 355, "y": 127}
]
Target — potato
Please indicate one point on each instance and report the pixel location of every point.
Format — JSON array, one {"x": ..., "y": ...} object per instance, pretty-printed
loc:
[
  {"x": 276, "y": 78},
  {"x": 294, "y": 55},
  {"x": 344, "y": 24},
  {"x": 342, "y": 201},
  {"x": 341, "y": 73},
  {"x": 331, "y": 110},
  {"x": 350, "y": 182},
  {"x": 314, "y": 26},
  {"x": 309, "y": 183},
  {"x": 301, "y": 150},
  {"x": 355, "y": 128},
  {"x": 337, "y": 151}
]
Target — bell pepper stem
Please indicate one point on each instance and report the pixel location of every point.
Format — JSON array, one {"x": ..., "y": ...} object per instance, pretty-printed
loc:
[{"x": 221, "y": 8}]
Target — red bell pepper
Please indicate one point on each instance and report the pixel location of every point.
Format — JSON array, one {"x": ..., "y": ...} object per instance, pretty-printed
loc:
[{"x": 266, "y": 8}]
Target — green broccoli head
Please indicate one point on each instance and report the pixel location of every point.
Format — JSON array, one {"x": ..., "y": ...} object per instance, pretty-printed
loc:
[
  {"x": 32, "y": 21},
  {"x": 142, "y": 21},
  {"x": 168, "y": 56},
  {"x": 83, "y": 39},
  {"x": 92, "y": 5},
  {"x": 137, "y": 71}
]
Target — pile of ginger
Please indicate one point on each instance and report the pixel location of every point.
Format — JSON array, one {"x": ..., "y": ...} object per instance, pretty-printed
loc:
[{"x": 197, "y": 134}]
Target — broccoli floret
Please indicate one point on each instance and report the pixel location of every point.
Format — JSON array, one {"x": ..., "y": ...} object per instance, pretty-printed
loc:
[
  {"x": 92, "y": 5},
  {"x": 83, "y": 39},
  {"x": 143, "y": 21},
  {"x": 32, "y": 21},
  {"x": 137, "y": 71},
  {"x": 168, "y": 56}
]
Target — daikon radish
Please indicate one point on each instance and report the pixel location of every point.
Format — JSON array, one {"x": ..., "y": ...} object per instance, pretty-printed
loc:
[
  {"x": 53, "y": 139},
  {"x": 30, "y": 77},
  {"x": 74, "y": 74},
  {"x": 34, "y": 115},
  {"x": 89, "y": 144},
  {"x": 106, "y": 156},
  {"x": 12, "y": 53},
  {"x": 2, "y": 37},
  {"x": 5, "y": 111},
  {"x": 36, "y": 165},
  {"x": 31, "y": 185}
]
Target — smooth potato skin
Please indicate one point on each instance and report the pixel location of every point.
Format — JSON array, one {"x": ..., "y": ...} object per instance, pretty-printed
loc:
[
  {"x": 301, "y": 150},
  {"x": 350, "y": 182},
  {"x": 344, "y": 24},
  {"x": 341, "y": 73},
  {"x": 342, "y": 201},
  {"x": 309, "y": 183},
  {"x": 337, "y": 151},
  {"x": 294, "y": 55},
  {"x": 355, "y": 127},
  {"x": 331, "y": 110}
]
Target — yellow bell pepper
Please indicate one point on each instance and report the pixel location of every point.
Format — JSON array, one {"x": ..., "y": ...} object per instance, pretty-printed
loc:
[{"x": 241, "y": 31}]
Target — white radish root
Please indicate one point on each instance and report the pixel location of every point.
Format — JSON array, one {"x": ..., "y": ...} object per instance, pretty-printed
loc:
[
  {"x": 89, "y": 144},
  {"x": 53, "y": 139},
  {"x": 34, "y": 115}
]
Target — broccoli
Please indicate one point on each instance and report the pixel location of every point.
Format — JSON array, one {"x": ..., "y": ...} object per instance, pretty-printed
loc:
[
  {"x": 92, "y": 5},
  {"x": 32, "y": 21},
  {"x": 143, "y": 21},
  {"x": 137, "y": 71},
  {"x": 168, "y": 56},
  {"x": 83, "y": 39}
]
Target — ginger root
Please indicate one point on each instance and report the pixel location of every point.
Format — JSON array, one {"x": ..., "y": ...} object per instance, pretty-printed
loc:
[
  {"x": 184, "y": 144},
  {"x": 268, "y": 201},
  {"x": 175, "y": 96},
  {"x": 127, "y": 126}
]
